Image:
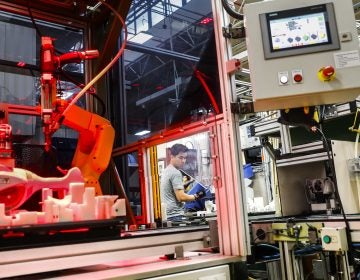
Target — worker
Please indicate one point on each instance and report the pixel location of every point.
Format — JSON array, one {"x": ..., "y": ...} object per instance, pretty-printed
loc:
[{"x": 172, "y": 185}]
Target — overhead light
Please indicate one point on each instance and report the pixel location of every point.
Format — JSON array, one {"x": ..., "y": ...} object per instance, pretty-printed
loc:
[
  {"x": 143, "y": 132},
  {"x": 141, "y": 38}
]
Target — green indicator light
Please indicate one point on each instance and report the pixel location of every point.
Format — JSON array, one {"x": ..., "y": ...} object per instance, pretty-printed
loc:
[{"x": 327, "y": 239}]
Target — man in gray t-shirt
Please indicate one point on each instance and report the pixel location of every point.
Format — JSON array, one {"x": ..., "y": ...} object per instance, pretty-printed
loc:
[{"x": 171, "y": 185}]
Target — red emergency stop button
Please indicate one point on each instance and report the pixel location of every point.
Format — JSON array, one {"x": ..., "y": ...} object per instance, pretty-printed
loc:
[
  {"x": 326, "y": 73},
  {"x": 297, "y": 78}
]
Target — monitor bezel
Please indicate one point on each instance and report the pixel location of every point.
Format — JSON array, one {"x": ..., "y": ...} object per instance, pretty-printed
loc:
[{"x": 331, "y": 27}]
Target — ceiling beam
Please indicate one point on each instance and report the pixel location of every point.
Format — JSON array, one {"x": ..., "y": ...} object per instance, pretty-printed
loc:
[{"x": 159, "y": 51}]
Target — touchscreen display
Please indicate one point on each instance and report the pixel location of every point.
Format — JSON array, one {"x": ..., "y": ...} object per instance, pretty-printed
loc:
[{"x": 298, "y": 31}]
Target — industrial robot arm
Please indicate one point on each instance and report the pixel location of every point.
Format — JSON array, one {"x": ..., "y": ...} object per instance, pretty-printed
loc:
[
  {"x": 95, "y": 142},
  {"x": 96, "y": 135}
]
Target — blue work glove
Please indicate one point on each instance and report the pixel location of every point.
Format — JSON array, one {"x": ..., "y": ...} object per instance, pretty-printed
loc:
[{"x": 199, "y": 195}]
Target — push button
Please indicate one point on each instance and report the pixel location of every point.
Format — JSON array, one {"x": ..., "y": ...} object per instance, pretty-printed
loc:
[
  {"x": 326, "y": 73},
  {"x": 298, "y": 78},
  {"x": 327, "y": 239},
  {"x": 284, "y": 80}
]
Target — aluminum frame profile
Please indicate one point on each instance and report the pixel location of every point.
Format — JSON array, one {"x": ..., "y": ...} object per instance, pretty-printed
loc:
[{"x": 55, "y": 258}]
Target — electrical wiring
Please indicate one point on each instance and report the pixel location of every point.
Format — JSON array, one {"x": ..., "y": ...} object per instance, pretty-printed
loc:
[
  {"x": 32, "y": 19},
  {"x": 266, "y": 245},
  {"x": 263, "y": 234},
  {"x": 332, "y": 168},
  {"x": 38, "y": 32},
  {"x": 230, "y": 9},
  {"x": 265, "y": 248},
  {"x": 107, "y": 67},
  {"x": 271, "y": 257},
  {"x": 307, "y": 250}
]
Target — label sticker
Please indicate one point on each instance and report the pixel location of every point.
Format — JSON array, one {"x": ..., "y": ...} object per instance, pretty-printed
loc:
[{"x": 347, "y": 59}]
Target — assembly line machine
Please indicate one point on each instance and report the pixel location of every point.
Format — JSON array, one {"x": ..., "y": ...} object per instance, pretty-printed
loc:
[
  {"x": 301, "y": 55},
  {"x": 82, "y": 229}
]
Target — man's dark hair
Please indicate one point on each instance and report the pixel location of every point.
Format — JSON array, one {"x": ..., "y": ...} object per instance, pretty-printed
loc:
[{"x": 177, "y": 149}]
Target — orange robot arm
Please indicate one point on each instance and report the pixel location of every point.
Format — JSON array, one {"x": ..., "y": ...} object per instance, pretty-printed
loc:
[
  {"x": 95, "y": 143},
  {"x": 96, "y": 135}
]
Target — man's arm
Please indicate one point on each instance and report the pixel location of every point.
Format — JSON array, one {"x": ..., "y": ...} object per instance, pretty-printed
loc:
[{"x": 183, "y": 197}]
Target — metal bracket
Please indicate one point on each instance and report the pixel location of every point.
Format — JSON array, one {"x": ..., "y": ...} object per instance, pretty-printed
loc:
[
  {"x": 179, "y": 252},
  {"x": 233, "y": 32},
  {"x": 242, "y": 108},
  {"x": 274, "y": 154},
  {"x": 233, "y": 65}
]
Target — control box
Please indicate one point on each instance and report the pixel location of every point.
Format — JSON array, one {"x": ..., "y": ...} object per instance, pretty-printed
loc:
[
  {"x": 334, "y": 239},
  {"x": 302, "y": 53}
]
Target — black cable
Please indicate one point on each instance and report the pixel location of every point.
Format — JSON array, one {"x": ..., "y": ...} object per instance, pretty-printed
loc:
[
  {"x": 231, "y": 11},
  {"x": 75, "y": 82},
  {"x": 58, "y": 87},
  {"x": 33, "y": 20},
  {"x": 32, "y": 72},
  {"x": 263, "y": 234},
  {"x": 266, "y": 245},
  {"x": 103, "y": 111},
  {"x": 38, "y": 32}
]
